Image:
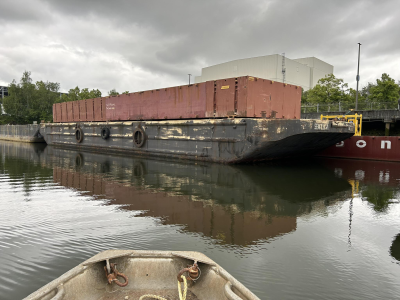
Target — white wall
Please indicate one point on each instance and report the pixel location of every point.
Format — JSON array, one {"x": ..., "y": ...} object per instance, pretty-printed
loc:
[
  {"x": 263, "y": 66},
  {"x": 304, "y": 72},
  {"x": 319, "y": 68}
]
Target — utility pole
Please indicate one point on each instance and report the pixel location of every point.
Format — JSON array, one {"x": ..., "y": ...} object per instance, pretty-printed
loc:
[
  {"x": 283, "y": 68},
  {"x": 189, "y": 78},
  {"x": 2, "y": 98},
  {"x": 358, "y": 74}
]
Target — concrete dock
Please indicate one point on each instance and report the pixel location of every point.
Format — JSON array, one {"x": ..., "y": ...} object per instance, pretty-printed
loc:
[{"x": 21, "y": 133}]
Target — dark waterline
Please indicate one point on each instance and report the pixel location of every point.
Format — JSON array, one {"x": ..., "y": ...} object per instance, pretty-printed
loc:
[{"x": 326, "y": 229}]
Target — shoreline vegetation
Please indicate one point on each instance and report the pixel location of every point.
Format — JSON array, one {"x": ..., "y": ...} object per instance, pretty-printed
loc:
[{"x": 28, "y": 102}]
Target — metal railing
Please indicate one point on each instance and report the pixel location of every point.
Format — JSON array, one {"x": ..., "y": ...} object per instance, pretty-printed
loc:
[
  {"x": 356, "y": 119},
  {"x": 346, "y": 106}
]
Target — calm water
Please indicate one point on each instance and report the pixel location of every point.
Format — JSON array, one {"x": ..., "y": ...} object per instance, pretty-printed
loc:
[{"x": 327, "y": 229}]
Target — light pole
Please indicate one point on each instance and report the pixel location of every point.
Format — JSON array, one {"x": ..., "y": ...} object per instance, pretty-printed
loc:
[
  {"x": 358, "y": 73},
  {"x": 2, "y": 98},
  {"x": 189, "y": 78}
]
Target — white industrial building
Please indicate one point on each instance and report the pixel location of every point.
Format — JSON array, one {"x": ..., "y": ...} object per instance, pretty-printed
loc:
[{"x": 304, "y": 72}]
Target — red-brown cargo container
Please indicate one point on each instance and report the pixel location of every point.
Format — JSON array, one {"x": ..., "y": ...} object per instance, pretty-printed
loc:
[
  {"x": 247, "y": 96},
  {"x": 76, "y": 110},
  {"x": 90, "y": 110},
  {"x": 64, "y": 111},
  {"x": 82, "y": 111},
  {"x": 70, "y": 111},
  {"x": 99, "y": 109},
  {"x": 272, "y": 99},
  {"x": 55, "y": 120},
  {"x": 58, "y": 112}
]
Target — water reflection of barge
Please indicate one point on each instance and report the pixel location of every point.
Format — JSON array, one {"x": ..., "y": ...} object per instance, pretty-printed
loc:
[{"x": 235, "y": 205}]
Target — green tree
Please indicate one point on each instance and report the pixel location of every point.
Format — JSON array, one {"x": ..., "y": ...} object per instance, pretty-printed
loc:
[
  {"x": 20, "y": 100},
  {"x": 329, "y": 90},
  {"x": 6, "y": 119},
  {"x": 385, "y": 90},
  {"x": 78, "y": 94},
  {"x": 304, "y": 96},
  {"x": 14, "y": 105},
  {"x": 29, "y": 102},
  {"x": 364, "y": 96},
  {"x": 47, "y": 93},
  {"x": 95, "y": 93},
  {"x": 86, "y": 94},
  {"x": 366, "y": 91},
  {"x": 113, "y": 92}
]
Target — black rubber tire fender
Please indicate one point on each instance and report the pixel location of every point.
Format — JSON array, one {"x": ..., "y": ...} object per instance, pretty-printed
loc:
[
  {"x": 139, "y": 137},
  {"x": 79, "y": 135},
  {"x": 78, "y": 160},
  {"x": 105, "y": 133}
]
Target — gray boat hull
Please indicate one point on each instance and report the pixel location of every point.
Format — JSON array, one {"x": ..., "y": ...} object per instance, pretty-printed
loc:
[
  {"x": 148, "y": 272},
  {"x": 217, "y": 140}
]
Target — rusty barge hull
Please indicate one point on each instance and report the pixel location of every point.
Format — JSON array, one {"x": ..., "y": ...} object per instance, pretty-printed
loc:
[{"x": 236, "y": 140}]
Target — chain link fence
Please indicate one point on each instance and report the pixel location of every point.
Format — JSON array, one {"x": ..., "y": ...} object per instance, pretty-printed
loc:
[{"x": 345, "y": 106}]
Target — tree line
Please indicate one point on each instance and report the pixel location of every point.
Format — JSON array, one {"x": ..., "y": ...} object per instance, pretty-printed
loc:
[
  {"x": 332, "y": 90},
  {"x": 27, "y": 101}
]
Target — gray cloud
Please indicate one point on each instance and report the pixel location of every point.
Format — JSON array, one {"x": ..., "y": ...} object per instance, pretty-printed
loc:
[{"x": 138, "y": 45}]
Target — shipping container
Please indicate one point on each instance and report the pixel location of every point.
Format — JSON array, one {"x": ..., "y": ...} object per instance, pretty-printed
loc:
[
  {"x": 97, "y": 113},
  {"x": 82, "y": 110},
  {"x": 75, "y": 109},
  {"x": 58, "y": 112},
  {"x": 64, "y": 112},
  {"x": 55, "y": 120},
  {"x": 247, "y": 96},
  {"x": 70, "y": 112},
  {"x": 90, "y": 110}
]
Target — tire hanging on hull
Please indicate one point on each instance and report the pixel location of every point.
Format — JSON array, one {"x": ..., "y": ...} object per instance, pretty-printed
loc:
[
  {"x": 139, "y": 137},
  {"x": 105, "y": 133},
  {"x": 79, "y": 135}
]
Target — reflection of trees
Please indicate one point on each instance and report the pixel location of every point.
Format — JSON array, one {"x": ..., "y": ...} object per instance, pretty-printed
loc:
[
  {"x": 395, "y": 248},
  {"x": 379, "y": 196},
  {"x": 27, "y": 168}
]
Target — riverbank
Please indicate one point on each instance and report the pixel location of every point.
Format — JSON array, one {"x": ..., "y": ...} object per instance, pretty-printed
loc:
[{"x": 29, "y": 133}]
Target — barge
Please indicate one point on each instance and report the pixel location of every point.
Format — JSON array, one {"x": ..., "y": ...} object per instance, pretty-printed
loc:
[
  {"x": 234, "y": 120},
  {"x": 384, "y": 148}
]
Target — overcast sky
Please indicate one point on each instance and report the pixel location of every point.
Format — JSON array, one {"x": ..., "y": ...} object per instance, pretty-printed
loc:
[{"x": 139, "y": 45}]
